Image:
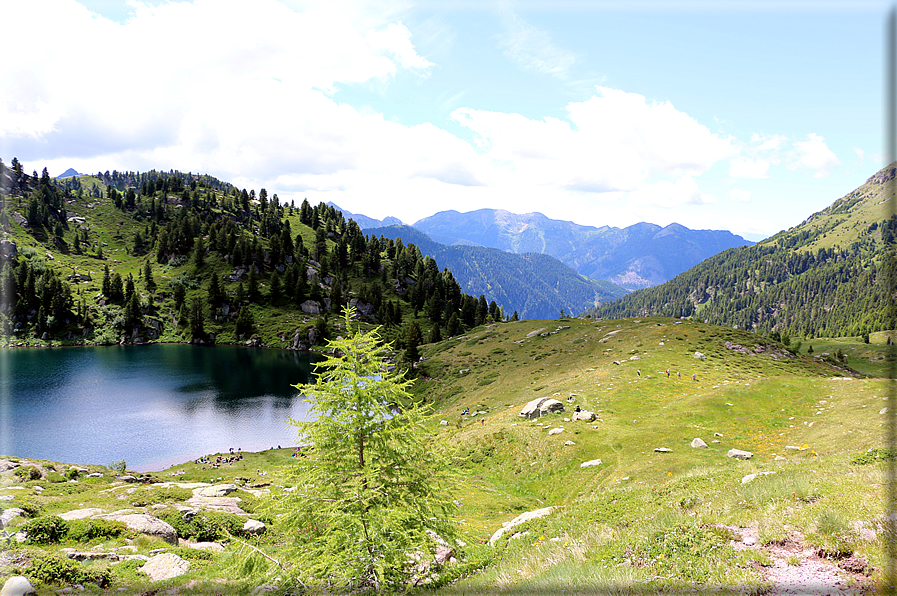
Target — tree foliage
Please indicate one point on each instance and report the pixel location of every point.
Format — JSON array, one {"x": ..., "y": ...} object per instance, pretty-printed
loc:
[{"x": 371, "y": 488}]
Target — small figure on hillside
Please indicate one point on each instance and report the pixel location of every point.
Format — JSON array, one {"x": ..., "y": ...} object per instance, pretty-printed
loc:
[
  {"x": 639, "y": 371},
  {"x": 482, "y": 421},
  {"x": 578, "y": 409},
  {"x": 668, "y": 373},
  {"x": 694, "y": 377},
  {"x": 679, "y": 374}
]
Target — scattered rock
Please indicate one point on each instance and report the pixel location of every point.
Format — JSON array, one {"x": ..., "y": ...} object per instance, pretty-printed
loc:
[
  {"x": 569, "y": 443},
  {"x": 584, "y": 415},
  {"x": 212, "y": 546},
  {"x": 10, "y": 514},
  {"x": 751, "y": 477},
  {"x": 700, "y": 356},
  {"x": 253, "y": 527},
  {"x": 17, "y": 585},
  {"x": 227, "y": 504},
  {"x": 165, "y": 566},
  {"x": 146, "y": 524},
  {"x": 739, "y": 454},
  {"x": 662, "y": 450},
  {"x": 523, "y": 517},
  {"x": 698, "y": 443},
  {"x": 541, "y": 406},
  {"x": 217, "y": 490},
  {"x": 555, "y": 431},
  {"x": 590, "y": 463},
  {"x": 82, "y": 513}
]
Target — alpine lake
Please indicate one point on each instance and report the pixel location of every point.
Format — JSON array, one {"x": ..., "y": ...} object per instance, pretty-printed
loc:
[{"x": 151, "y": 405}]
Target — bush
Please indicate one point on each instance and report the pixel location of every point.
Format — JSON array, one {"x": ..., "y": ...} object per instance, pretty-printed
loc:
[
  {"x": 27, "y": 473},
  {"x": 119, "y": 466},
  {"x": 56, "y": 477},
  {"x": 52, "y": 569},
  {"x": 86, "y": 530},
  {"x": 206, "y": 526},
  {"x": 46, "y": 529},
  {"x": 73, "y": 473}
]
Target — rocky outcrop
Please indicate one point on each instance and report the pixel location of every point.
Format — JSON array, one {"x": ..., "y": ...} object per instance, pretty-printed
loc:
[
  {"x": 541, "y": 406},
  {"x": 739, "y": 454},
  {"x": 216, "y": 490},
  {"x": 146, "y": 524},
  {"x": 523, "y": 517},
  {"x": 165, "y": 566},
  {"x": 10, "y": 514},
  {"x": 82, "y": 513},
  {"x": 17, "y": 585}
]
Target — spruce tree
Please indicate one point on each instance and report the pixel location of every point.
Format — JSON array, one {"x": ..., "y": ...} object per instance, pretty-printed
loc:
[{"x": 372, "y": 486}]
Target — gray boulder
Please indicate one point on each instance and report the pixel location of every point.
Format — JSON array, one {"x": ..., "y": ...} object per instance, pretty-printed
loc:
[
  {"x": 17, "y": 585},
  {"x": 165, "y": 566},
  {"x": 10, "y": 514},
  {"x": 590, "y": 463},
  {"x": 584, "y": 415},
  {"x": 146, "y": 524},
  {"x": 698, "y": 443},
  {"x": 739, "y": 454},
  {"x": 253, "y": 526},
  {"x": 541, "y": 406}
]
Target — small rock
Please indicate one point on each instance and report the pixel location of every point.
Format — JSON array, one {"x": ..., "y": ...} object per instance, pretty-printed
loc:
[
  {"x": 717, "y": 434},
  {"x": 590, "y": 463},
  {"x": 584, "y": 415},
  {"x": 253, "y": 527},
  {"x": 10, "y": 514},
  {"x": 662, "y": 450},
  {"x": 555, "y": 431},
  {"x": 569, "y": 443},
  {"x": 739, "y": 454},
  {"x": 751, "y": 477},
  {"x": 699, "y": 356},
  {"x": 17, "y": 585},
  {"x": 443, "y": 423},
  {"x": 698, "y": 443}
]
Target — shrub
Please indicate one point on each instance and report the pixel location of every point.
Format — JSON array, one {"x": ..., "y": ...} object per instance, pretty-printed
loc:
[
  {"x": 46, "y": 529},
  {"x": 85, "y": 530},
  {"x": 52, "y": 569},
  {"x": 206, "y": 526},
  {"x": 118, "y": 466},
  {"x": 27, "y": 473},
  {"x": 73, "y": 473},
  {"x": 874, "y": 455},
  {"x": 55, "y": 477}
]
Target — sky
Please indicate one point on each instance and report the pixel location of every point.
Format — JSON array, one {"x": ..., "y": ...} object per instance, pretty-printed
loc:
[{"x": 745, "y": 115}]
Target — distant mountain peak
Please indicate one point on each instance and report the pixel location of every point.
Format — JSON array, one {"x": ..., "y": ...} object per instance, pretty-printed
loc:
[{"x": 69, "y": 173}]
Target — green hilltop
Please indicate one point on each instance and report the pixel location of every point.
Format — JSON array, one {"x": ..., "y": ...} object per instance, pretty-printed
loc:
[{"x": 830, "y": 276}]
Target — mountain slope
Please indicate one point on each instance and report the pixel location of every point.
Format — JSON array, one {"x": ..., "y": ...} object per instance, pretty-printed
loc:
[
  {"x": 828, "y": 276},
  {"x": 638, "y": 256},
  {"x": 537, "y": 286}
]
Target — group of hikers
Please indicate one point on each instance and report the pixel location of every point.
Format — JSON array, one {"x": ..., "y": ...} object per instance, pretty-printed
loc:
[
  {"x": 234, "y": 457},
  {"x": 694, "y": 376}
]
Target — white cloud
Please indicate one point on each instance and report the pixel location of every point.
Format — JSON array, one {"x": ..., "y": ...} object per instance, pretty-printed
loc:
[
  {"x": 683, "y": 191},
  {"x": 612, "y": 141},
  {"x": 532, "y": 49},
  {"x": 860, "y": 153},
  {"x": 745, "y": 167},
  {"x": 813, "y": 154},
  {"x": 742, "y": 196}
]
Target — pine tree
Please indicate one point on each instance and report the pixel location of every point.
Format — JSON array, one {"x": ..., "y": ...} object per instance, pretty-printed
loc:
[{"x": 379, "y": 483}]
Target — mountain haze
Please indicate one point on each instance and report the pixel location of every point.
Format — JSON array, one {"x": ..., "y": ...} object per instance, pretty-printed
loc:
[{"x": 638, "y": 256}]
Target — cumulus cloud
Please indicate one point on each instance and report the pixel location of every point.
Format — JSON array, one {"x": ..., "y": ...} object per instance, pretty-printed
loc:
[
  {"x": 612, "y": 141},
  {"x": 745, "y": 167},
  {"x": 742, "y": 196},
  {"x": 813, "y": 154}
]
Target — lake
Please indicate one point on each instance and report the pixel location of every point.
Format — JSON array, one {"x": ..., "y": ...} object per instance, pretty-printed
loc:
[{"x": 153, "y": 406}]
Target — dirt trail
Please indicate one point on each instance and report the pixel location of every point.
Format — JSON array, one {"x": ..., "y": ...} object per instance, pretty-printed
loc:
[{"x": 813, "y": 575}]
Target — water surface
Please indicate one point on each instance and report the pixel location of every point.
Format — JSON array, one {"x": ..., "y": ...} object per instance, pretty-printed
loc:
[{"x": 152, "y": 405}]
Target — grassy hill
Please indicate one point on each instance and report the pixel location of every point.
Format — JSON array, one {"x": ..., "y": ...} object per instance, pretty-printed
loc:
[
  {"x": 642, "y": 520},
  {"x": 829, "y": 276}
]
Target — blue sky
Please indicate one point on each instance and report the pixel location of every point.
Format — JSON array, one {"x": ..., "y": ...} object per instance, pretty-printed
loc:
[{"x": 747, "y": 116}]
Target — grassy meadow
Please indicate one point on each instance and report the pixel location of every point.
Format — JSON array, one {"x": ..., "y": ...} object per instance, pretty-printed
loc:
[{"x": 641, "y": 521}]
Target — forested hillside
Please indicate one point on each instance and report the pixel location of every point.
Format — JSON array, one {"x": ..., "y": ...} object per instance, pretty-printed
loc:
[
  {"x": 127, "y": 257},
  {"x": 536, "y": 286},
  {"x": 832, "y": 275}
]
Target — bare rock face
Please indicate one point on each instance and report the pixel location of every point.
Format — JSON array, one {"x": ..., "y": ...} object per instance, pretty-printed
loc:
[
  {"x": 165, "y": 566},
  {"x": 10, "y": 514},
  {"x": 541, "y": 406},
  {"x": 82, "y": 513},
  {"x": 217, "y": 490},
  {"x": 523, "y": 517}
]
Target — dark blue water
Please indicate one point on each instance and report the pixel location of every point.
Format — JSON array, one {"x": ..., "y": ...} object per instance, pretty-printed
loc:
[{"x": 152, "y": 406}]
